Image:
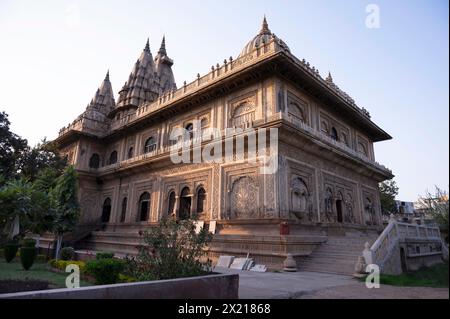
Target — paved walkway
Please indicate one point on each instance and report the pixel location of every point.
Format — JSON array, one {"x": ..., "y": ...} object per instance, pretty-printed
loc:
[
  {"x": 272, "y": 285},
  {"x": 312, "y": 285}
]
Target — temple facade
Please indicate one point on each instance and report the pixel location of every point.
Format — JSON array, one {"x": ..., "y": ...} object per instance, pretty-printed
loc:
[{"x": 326, "y": 176}]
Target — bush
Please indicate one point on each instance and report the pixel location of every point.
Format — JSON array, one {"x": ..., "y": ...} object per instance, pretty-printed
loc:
[
  {"x": 104, "y": 255},
  {"x": 105, "y": 271},
  {"x": 67, "y": 253},
  {"x": 10, "y": 251},
  {"x": 62, "y": 264},
  {"x": 28, "y": 242},
  {"x": 41, "y": 258},
  {"x": 27, "y": 256},
  {"x": 172, "y": 250}
]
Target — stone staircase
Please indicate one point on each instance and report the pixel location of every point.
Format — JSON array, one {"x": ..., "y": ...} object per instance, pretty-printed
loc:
[{"x": 338, "y": 255}]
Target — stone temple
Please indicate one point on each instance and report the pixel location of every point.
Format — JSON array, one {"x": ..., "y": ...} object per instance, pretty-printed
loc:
[{"x": 322, "y": 196}]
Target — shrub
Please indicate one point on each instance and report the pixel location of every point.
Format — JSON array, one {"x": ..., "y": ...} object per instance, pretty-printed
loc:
[
  {"x": 10, "y": 251},
  {"x": 105, "y": 271},
  {"x": 62, "y": 264},
  {"x": 172, "y": 250},
  {"x": 67, "y": 253},
  {"x": 28, "y": 242},
  {"x": 126, "y": 279},
  {"x": 27, "y": 256},
  {"x": 41, "y": 258},
  {"x": 104, "y": 255}
]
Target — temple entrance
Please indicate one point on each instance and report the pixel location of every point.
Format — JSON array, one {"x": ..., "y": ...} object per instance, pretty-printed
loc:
[
  {"x": 339, "y": 211},
  {"x": 185, "y": 204},
  {"x": 403, "y": 260},
  {"x": 106, "y": 212}
]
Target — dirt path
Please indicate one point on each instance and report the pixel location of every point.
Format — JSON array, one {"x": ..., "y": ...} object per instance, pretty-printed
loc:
[{"x": 359, "y": 291}]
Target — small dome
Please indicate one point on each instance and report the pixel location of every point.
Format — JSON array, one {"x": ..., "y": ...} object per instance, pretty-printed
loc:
[{"x": 264, "y": 36}]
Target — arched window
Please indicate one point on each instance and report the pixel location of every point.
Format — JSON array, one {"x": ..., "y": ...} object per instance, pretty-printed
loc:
[
  {"x": 144, "y": 207},
  {"x": 171, "y": 205},
  {"x": 324, "y": 127},
  {"x": 130, "y": 152},
  {"x": 296, "y": 112},
  {"x": 94, "y": 162},
  {"x": 300, "y": 195},
  {"x": 124, "y": 209},
  {"x": 362, "y": 149},
  {"x": 334, "y": 134},
  {"x": 185, "y": 204},
  {"x": 201, "y": 200},
  {"x": 150, "y": 145},
  {"x": 189, "y": 130},
  {"x": 345, "y": 139},
  {"x": 106, "y": 212},
  {"x": 113, "y": 158}
]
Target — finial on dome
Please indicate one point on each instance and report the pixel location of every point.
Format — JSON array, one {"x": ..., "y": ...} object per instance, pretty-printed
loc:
[
  {"x": 329, "y": 78},
  {"x": 265, "y": 27},
  {"x": 162, "y": 49},
  {"x": 147, "y": 45}
]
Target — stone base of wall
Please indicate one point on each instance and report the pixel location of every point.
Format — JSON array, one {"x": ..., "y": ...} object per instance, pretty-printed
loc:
[{"x": 221, "y": 286}]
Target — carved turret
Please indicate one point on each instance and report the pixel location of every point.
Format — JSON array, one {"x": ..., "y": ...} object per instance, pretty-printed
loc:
[
  {"x": 143, "y": 83},
  {"x": 102, "y": 103},
  {"x": 164, "y": 69}
]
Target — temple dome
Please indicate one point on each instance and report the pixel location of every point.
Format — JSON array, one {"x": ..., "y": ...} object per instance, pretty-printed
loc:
[{"x": 264, "y": 36}]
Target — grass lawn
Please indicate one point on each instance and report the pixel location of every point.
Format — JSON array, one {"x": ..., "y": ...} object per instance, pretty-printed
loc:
[
  {"x": 39, "y": 271},
  {"x": 435, "y": 276}
]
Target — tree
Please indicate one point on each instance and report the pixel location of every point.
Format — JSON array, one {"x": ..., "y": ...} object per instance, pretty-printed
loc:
[
  {"x": 43, "y": 156},
  {"x": 24, "y": 209},
  {"x": 65, "y": 204},
  {"x": 388, "y": 191},
  {"x": 12, "y": 148},
  {"x": 174, "y": 249},
  {"x": 436, "y": 206}
]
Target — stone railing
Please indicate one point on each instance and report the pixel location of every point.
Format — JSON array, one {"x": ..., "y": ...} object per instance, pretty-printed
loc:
[
  {"x": 217, "y": 73},
  {"x": 385, "y": 245}
]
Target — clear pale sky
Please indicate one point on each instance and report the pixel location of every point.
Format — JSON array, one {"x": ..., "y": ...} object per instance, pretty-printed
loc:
[{"x": 54, "y": 55}]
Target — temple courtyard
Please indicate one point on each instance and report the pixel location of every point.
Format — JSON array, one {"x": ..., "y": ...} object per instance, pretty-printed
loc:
[{"x": 313, "y": 285}]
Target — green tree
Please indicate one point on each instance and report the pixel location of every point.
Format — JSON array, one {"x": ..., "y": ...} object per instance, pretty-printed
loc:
[
  {"x": 388, "y": 191},
  {"x": 12, "y": 148},
  {"x": 174, "y": 249},
  {"x": 65, "y": 204},
  {"x": 43, "y": 156},
  {"x": 24, "y": 209},
  {"x": 436, "y": 206}
]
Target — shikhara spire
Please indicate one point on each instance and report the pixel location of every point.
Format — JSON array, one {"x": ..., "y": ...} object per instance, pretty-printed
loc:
[
  {"x": 164, "y": 69},
  {"x": 102, "y": 102},
  {"x": 162, "y": 49},
  {"x": 143, "y": 83},
  {"x": 265, "y": 27}
]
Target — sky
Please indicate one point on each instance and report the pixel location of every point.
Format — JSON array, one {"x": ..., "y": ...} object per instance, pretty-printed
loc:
[{"x": 55, "y": 54}]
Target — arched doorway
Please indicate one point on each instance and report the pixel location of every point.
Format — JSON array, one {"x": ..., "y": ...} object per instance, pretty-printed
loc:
[
  {"x": 339, "y": 210},
  {"x": 144, "y": 207},
  {"x": 106, "y": 212},
  {"x": 201, "y": 200},
  {"x": 403, "y": 260},
  {"x": 185, "y": 204},
  {"x": 171, "y": 205}
]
